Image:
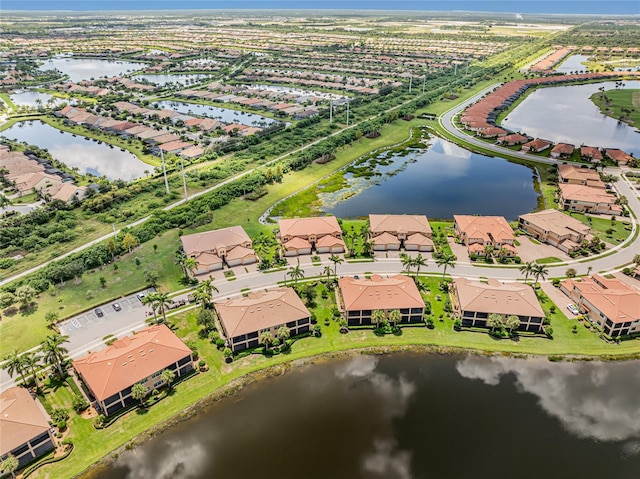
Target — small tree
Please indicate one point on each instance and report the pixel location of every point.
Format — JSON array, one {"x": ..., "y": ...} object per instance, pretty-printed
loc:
[
  {"x": 151, "y": 277},
  {"x": 283, "y": 333},
  {"x": 52, "y": 318},
  {"x": 139, "y": 392},
  {"x": 513, "y": 323},
  {"x": 266, "y": 338},
  {"x": 395, "y": 317},
  {"x": 168, "y": 376},
  {"x": 25, "y": 294},
  {"x": 571, "y": 273},
  {"x": 379, "y": 318},
  {"x": 9, "y": 465},
  {"x": 129, "y": 242},
  {"x": 494, "y": 322}
]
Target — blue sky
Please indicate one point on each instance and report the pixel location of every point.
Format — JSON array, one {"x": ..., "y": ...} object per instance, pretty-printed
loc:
[{"x": 600, "y": 7}]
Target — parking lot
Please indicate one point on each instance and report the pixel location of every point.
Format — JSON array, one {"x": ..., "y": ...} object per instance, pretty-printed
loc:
[{"x": 86, "y": 331}]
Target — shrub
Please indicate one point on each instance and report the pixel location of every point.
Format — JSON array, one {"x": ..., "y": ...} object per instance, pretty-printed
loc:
[
  {"x": 552, "y": 309},
  {"x": 457, "y": 324},
  {"x": 62, "y": 425},
  {"x": 575, "y": 329},
  {"x": 79, "y": 404},
  {"x": 219, "y": 343},
  {"x": 430, "y": 322},
  {"x": 317, "y": 331},
  {"x": 549, "y": 332},
  {"x": 214, "y": 336},
  {"x": 201, "y": 363}
]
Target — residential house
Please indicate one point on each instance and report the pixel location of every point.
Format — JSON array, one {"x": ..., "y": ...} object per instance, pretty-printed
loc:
[
  {"x": 513, "y": 139},
  {"x": 574, "y": 175},
  {"x": 588, "y": 199},
  {"x": 610, "y": 303},
  {"x": 619, "y": 156},
  {"x": 360, "y": 297},
  {"x": 25, "y": 431},
  {"x": 110, "y": 374},
  {"x": 555, "y": 228},
  {"x": 562, "y": 150},
  {"x": 243, "y": 319},
  {"x": 590, "y": 153},
  {"x": 321, "y": 234},
  {"x": 473, "y": 301},
  {"x": 478, "y": 232},
  {"x": 214, "y": 248},
  {"x": 36, "y": 181},
  {"x": 536, "y": 146},
  {"x": 392, "y": 232}
]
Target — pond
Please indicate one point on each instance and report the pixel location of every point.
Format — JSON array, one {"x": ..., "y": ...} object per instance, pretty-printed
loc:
[
  {"x": 566, "y": 114},
  {"x": 29, "y": 98},
  {"x": 223, "y": 114},
  {"x": 297, "y": 91},
  {"x": 84, "y": 69},
  {"x": 163, "y": 79},
  {"x": 406, "y": 416},
  {"x": 438, "y": 181},
  {"x": 573, "y": 64},
  {"x": 88, "y": 156}
]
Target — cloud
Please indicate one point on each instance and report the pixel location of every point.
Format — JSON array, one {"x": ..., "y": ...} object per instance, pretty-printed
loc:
[
  {"x": 388, "y": 462},
  {"x": 175, "y": 460},
  {"x": 592, "y": 400}
]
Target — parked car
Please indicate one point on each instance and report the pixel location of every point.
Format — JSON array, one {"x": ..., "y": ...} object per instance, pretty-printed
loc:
[
  {"x": 116, "y": 306},
  {"x": 141, "y": 296},
  {"x": 99, "y": 312},
  {"x": 573, "y": 308}
]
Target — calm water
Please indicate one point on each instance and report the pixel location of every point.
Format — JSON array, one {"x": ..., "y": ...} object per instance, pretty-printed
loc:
[
  {"x": 28, "y": 98},
  {"x": 408, "y": 416},
  {"x": 573, "y": 64},
  {"x": 84, "y": 69},
  {"x": 565, "y": 114},
  {"x": 439, "y": 181},
  {"x": 173, "y": 78},
  {"x": 223, "y": 114},
  {"x": 87, "y": 155},
  {"x": 299, "y": 91}
]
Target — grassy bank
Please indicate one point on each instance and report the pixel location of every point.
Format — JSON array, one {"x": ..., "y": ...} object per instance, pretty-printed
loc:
[{"x": 622, "y": 105}]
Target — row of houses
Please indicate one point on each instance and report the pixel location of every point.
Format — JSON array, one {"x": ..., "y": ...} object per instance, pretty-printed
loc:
[
  {"x": 28, "y": 173},
  {"x": 582, "y": 190}
]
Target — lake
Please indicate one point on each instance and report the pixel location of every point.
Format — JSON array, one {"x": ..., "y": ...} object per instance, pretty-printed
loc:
[
  {"x": 84, "y": 69},
  {"x": 438, "y": 181},
  {"x": 566, "y": 114},
  {"x": 77, "y": 151},
  {"x": 163, "y": 79},
  {"x": 573, "y": 64},
  {"x": 28, "y": 98},
  {"x": 223, "y": 114},
  {"x": 406, "y": 416}
]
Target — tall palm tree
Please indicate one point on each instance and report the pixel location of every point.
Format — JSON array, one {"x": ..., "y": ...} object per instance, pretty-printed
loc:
[
  {"x": 336, "y": 260},
  {"x": 204, "y": 291},
  {"x": 54, "y": 352},
  {"x": 15, "y": 365},
  {"x": 418, "y": 262},
  {"x": 513, "y": 323},
  {"x": 488, "y": 250},
  {"x": 190, "y": 265},
  {"x": 162, "y": 300},
  {"x": 139, "y": 392},
  {"x": 540, "y": 271},
  {"x": 378, "y": 317},
  {"x": 168, "y": 376},
  {"x": 9, "y": 464},
  {"x": 150, "y": 300},
  {"x": 328, "y": 271},
  {"x": 31, "y": 361},
  {"x": 407, "y": 263},
  {"x": 266, "y": 338},
  {"x": 395, "y": 317},
  {"x": 283, "y": 333},
  {"x": 527, "y": 269},
  {"x": 446, "y": 260},
  {"x": 296, "y": 273}
]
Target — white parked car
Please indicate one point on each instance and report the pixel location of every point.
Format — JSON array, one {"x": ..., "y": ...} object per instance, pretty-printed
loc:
[{"x": 573, "y": 308}]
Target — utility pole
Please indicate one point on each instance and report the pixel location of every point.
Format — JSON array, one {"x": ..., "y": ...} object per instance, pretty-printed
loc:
[
  {"x": 455, "y": 70},
  {"x": 184, "y": 182},
  {"x": 424, "y": 83},
  {"x": 347, "y": 112},
  {"x": 331, "y": 111},
  {"x": 164, "y": 171},
  {"x": 410, "y": 81}
]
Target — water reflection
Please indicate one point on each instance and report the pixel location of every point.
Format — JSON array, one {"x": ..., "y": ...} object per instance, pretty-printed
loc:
[
  {"x": 592, "y": 400},
  {"x": 573, "y": 64},
  {"x": 161, "y": 80},
  {"x": 222, "y": 114},
  {"x": 84, "y": 69},
  {"x": 29, "y": 98}
]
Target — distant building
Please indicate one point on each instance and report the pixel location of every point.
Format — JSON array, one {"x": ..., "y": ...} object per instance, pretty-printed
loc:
[
  {"x": 243, "y": 319},
  {"x": 25, "y": 431},
  {"x": 110, "y": 374},
  {"x": 360, "y": 297}
]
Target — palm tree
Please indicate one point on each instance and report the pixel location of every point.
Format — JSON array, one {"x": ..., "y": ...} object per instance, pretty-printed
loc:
[
  {"x": 327, "y": 270},
  {"x": 190, "y": 265},
  {"x": 296, "y": 273},
  {"x": 446, "y": 260},
  {"x": 168, "y": 376},
  {"x": 31, "y": 361},
  {"x": 407, "y": 263},
  {"x": 9, "y": 464},
  {"x": 488, "y": 250},
  {"x": 283, "y": 333},
  {"x": 139, "y": 392},
  {"x": 53, "y": 351},
  {"x": 418, "y": 262},
  {"x": 162, "y": 300},
  {"x": 204, "y": 292},
  {"x": 513, "y": 323},
  {"x": 150, "y": 300},
  {"x": 494, "y": 321},
  {"x": 15, "y": 364},
  {"x": 395, "y": 317},
  {"x": 266, "y": 338},
  {"x": 527, "y": 269},
  {"x": 336, "y": 260},
  {"x": 378, "y": 317},
  {"x": 540, "y": 271}
]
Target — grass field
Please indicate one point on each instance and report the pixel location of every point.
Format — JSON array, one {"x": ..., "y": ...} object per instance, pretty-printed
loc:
[
  {"x": 601, "y": 227},
  {"x": 623, "y": 105}
]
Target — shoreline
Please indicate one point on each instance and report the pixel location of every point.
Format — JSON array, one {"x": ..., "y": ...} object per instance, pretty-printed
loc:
[{"x": 270, "y": 371}]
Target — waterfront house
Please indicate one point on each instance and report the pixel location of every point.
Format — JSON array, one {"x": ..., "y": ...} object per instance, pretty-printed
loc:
[
  {"x": 360, "y": 297},
  {"x": 303, "y": 235},
  {"x": 392, "y": 232},
  {"x": 588, "y": 199},
  {"x": 110, "y": 374},
  {"x": 243, "y": 319},
  {"x": 555, "y": 228},
  {"x": 478, "y": 232},
  {"x": 562, "y": 150},
  {"x": 25, "y": 431},
  {"x": 619, "y": 156},
  {"x": 473, "y": 302},
  {"x": 574, "y": 175},
  {"x": 610, "y": 303},
  {"x": 536, "y": 146},
  {"x": 513, "y": 139},
  {"x": 590, "y": 153},
  {"x": 214, "y": 248}
]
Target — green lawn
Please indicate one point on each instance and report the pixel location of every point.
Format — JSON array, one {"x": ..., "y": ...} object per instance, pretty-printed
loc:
[
  {"x": 549, "y": 259},
  {"x": 93, "y": 444},
  {"x": 620, "y": 104},
  {"x": 601, "y": 227}
]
